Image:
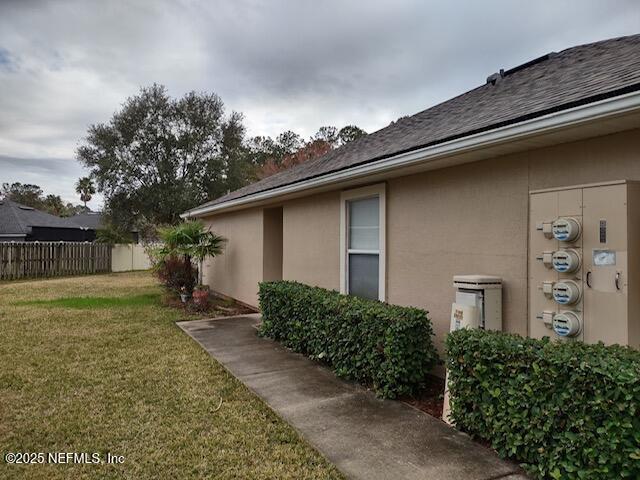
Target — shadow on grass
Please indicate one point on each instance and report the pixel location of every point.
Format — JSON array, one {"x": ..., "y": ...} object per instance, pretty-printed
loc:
[{"x": 97, "y": 302}]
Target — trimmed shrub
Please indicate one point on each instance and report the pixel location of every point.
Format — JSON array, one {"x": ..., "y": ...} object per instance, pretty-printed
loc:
[
  {"x": 172, "y": 273},
  {"x": 385, "y": 346},
  {"x": 563, "y": 409}
]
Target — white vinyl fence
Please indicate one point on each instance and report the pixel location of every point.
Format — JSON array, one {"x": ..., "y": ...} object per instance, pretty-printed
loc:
[{"x": 127, "y": 257}]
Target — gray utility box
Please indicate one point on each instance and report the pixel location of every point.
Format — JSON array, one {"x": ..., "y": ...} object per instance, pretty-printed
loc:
[
  {"x": 484, "y": 292},
  {"x": 584, "y": 263}
]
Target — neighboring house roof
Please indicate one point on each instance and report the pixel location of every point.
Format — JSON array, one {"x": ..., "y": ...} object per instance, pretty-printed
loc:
[
  {"x": 555, "y": 82},
  {"x": 91, "y": 220},
  {"x": 17, "y": 219}
]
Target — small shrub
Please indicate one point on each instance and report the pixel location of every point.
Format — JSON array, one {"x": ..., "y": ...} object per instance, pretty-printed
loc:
[
  {"x": 172, "y": 273},
  {"x": 385, "y": 346},
  {"x": 192, "y": 242},
  {"x": 564, "y": 409}
]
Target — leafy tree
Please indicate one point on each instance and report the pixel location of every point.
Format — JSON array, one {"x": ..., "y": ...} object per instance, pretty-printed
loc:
[
  {"x": 328, "y": 135},
  {"x": 33, "y": 196},
  {"x": 54, "y": 205},
  {"x": 85, "y": 188},
  {"x": 24, "y": 193},
  {"x": 237, "y": 169},
  {"x": 262, "y": 150},
  {"x": 337, "y": 138},
  {"x": 113, "y": 235},
  {"x": 191, "y": 241},
  {"x": 160, "y": 156},
  {"x": 313, "y": 149},
  {"x": 288, "y": 143},
  {"x": 350, "y": 133},
  {"x": 272, "y": 156},
  {"x": 71, "y": 209}
]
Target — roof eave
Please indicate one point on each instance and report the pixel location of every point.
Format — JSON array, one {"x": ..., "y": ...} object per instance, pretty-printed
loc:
[{"x": 575, "y": 116}]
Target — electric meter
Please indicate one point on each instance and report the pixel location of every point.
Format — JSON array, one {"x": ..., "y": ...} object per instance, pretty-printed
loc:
[
  {"x": 566, "y": 229},
  {"x": 566, "y": 292},
  {"x": 566, "y": 261},
  {"x": 567, "y": 324}
]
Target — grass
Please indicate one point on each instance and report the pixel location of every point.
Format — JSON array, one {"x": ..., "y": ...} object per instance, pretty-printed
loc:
[
  {"x": 96, "y": 302},
  {"x": 96, "y": 364}
]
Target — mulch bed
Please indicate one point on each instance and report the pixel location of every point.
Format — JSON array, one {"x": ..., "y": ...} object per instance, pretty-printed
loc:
[
  {"x": 217, "y": 306},
  {"x": 431, "y": 399}
]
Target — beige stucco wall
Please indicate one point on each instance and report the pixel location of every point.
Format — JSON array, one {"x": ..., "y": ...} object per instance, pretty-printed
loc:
[
  {"x": 600, "y": 159},
  {"x": 311, "y": 240},
  {"x": 463, "y": 220},
  {"x": 471, "y": 218},
  {"x": 237, "y": 272},
  {"x": 474, "y": 219}
]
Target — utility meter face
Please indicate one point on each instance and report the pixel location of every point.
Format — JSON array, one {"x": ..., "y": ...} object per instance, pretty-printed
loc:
[
  {"x": 566, "y": 324},
  {"x": 566, "y": 292},
  {"x": 566, "y": 261},
  {"x": 566, "y": 229}
]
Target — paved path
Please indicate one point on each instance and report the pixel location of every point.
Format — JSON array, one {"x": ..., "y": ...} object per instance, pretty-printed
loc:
[{"x": 365, "y": 437}]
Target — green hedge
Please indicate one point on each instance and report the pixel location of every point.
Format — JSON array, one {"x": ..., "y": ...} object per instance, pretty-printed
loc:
[
  {"x": 384, "y": 346},
  {"x": 563, "y": 409}
]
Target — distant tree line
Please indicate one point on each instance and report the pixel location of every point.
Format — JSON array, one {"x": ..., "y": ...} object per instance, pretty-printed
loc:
[
  {"x": 33, "y": 196},
  {"x": 159, "y": 156}
]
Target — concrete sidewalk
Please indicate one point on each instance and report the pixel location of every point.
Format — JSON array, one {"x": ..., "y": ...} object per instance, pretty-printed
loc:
[{"x": 365, "y": 437}]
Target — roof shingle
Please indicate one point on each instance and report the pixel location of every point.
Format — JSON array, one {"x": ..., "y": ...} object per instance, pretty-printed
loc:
[
  {"x": 18, "y": 219},
  {"x": 91, "y": 220},
  {"x": 574, "y": 76}
]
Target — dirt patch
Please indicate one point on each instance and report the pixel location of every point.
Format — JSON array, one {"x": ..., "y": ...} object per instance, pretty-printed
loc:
[
  {"x": 430, "y": 399},
  {"x": 216, "y": 306}
]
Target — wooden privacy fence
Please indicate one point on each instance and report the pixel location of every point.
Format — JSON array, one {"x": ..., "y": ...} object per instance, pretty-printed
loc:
[{"x": 52, "y": 259}]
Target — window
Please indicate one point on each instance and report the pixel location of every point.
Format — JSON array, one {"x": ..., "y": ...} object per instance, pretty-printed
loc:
[{"x": 362, "y": 242}]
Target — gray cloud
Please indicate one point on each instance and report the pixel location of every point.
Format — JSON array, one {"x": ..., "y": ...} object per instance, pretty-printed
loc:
[
  {"x": 284, "y": 64},
  {"x": 55, "y": 175}
]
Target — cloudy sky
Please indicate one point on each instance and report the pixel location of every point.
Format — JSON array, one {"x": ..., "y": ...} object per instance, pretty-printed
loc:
[{"x": 295, "y": 64}]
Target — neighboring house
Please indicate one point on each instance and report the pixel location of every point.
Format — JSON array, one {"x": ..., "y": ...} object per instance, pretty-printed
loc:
[
  {"x": 469, "y": 186},
  {"x": 90, "y": 220},
  {"x": 20, "y": 223},
  {"x": 95, "y": 221}
]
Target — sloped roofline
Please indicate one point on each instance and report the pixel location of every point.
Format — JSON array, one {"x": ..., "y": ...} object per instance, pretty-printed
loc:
[
  {"x": 597, "y": 109},
  {"x": 26, "y": 225}
]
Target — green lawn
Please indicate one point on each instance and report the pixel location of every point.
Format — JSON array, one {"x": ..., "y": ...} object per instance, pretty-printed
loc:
[{"x": 96, "y": 364}]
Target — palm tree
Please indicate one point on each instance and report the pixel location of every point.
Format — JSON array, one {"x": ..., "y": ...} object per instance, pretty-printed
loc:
[
  {"x": 85, "y": 188},
  {"x": 193, "y": 242}
]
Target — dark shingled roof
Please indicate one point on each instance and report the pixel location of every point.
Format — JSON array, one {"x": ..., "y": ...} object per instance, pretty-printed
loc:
[
  {"x": 556, "y": 82},
  {"x": 17, "y": 219},
  {"x": 91, "y": 220}
]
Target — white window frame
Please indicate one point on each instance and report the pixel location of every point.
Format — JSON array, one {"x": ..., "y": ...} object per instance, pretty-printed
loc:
[{"x": 378, "y": 190}]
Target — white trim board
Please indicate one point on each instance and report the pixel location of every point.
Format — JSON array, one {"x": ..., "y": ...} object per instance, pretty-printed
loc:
[{"x": 546, "y": 124}]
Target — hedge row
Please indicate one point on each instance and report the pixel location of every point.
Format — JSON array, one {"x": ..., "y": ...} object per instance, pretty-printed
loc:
[
  {"x": 564, "y": 410},
  {"x": 384, "y": 346}
]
